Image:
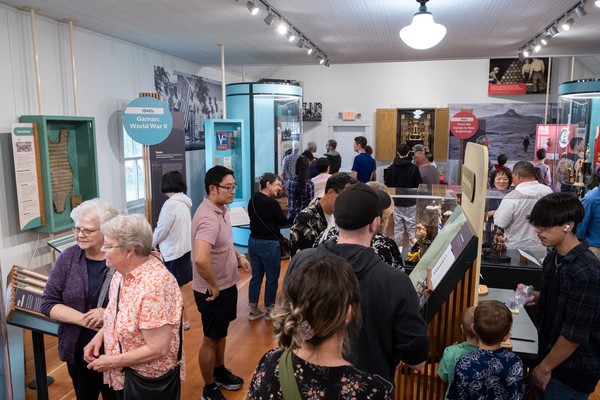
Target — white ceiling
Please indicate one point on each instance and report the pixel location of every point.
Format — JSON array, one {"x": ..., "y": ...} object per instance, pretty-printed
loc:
[{"x": 347, "y": 31}]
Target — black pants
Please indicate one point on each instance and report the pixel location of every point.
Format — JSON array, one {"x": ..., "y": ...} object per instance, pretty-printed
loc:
[{"x": 88, "y": 384}]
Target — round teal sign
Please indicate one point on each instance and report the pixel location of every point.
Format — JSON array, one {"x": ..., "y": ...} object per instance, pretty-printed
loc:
[{"x": 147, "y": 120}]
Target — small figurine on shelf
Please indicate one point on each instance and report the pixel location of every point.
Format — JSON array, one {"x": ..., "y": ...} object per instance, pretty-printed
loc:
[
  {"x": 499, "y": 242},
  {"x": 419, "y": 245},
  {"x": 434, "y": 220}
]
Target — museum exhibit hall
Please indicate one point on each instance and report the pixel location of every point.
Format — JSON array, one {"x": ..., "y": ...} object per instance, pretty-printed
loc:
[{"x": 443, "y": 155}]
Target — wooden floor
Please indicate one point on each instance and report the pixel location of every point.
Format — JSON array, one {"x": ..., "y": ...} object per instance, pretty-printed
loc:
[{"x": 246, "y": 343}]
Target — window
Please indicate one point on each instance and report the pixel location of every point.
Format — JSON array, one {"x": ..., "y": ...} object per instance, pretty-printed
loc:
[{"x": 135, "y": 193}]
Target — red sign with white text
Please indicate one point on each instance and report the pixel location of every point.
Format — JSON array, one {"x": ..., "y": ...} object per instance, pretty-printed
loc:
[{"x": 463, "y": 124}]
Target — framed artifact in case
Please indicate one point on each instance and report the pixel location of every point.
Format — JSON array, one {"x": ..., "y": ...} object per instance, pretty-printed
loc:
[{"x": 69, "y": 172}]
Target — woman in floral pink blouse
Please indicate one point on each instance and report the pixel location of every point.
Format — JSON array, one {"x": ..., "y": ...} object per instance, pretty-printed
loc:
[{"x": 142, "y": 319}]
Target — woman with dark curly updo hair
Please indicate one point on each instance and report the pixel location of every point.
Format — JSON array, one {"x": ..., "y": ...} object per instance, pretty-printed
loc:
[{"x": 320, "y": 300}]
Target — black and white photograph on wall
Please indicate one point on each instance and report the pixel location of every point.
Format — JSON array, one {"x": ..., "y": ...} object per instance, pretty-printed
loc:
[
  {"x": 197, "y": 98},
  {"x": 312, "y": 111},
  {"x": 509, "y": 76}
]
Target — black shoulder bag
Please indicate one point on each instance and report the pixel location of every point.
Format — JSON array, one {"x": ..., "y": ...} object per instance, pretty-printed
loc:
[
  {"x": 284, "y": 244},
  {"x": 165, "y": 387}
]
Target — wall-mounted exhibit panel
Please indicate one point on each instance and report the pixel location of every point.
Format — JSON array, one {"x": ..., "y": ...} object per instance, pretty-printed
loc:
[{"x": 69, "y": 172}]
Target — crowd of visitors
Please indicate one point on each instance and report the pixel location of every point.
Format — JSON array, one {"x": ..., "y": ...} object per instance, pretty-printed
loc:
[{"x": 348, "y": 314}]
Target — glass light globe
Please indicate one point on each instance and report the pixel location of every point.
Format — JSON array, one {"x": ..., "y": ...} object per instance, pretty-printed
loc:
[{"x": 423, "y": 33}]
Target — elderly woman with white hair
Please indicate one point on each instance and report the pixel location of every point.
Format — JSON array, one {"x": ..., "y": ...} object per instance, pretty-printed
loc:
[
  {"x": 142, "y": 322},
  {"x": 76, "y": 295}
]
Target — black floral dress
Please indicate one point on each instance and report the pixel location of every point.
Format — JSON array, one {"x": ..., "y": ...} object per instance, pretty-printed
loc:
[{"x": 316, "y": 382}]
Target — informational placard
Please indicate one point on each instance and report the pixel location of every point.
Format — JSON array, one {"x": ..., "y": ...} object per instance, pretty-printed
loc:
[
  {"x": 27, "y": 175},
  {"x": 147, "y": 120},
  {"x": 166, "y": 156},
  {"x": 464, "y": 124}
]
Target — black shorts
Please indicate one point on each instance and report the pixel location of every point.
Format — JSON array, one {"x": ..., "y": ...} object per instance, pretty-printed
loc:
[{"x": 217, "y": 314}]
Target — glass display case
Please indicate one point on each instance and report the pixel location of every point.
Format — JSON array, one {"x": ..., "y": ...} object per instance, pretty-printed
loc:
[
  {"x": 271, "y": 111},
  {"x": 579, "y": 107},
  {"x": 227, "y": 145},
  {"x": 69, "y": 175},
  {"x": 434, "y": 206}
]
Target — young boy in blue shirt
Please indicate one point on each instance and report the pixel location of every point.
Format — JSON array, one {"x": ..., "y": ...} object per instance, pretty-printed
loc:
[
  {"x": 456, "y": 351},
  {"x": 491, "y": 372}
]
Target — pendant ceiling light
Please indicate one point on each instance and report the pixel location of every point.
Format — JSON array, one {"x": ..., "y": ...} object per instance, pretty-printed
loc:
[{"x": 423, "y": 33}]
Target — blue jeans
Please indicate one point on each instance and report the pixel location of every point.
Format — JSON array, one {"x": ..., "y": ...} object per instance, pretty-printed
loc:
[
  {"x": 557, "y": 390},
  {"x": 266, "y": 260}
]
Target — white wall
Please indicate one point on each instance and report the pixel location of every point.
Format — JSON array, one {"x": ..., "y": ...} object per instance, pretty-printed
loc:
[
  {"x": 366, "y": 87},
  {"x": 110, "y": 73}
]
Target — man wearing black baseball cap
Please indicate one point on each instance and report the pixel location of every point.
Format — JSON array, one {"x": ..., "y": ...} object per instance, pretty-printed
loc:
[{"x": 392, "y": 330}]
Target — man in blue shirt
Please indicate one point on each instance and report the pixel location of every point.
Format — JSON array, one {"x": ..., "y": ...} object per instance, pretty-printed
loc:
[
  {"x": 364, "y": 166},
  {"x": 589, "y": 228}
]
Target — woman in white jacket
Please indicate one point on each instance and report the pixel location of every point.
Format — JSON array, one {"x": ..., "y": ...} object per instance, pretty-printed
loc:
[{"x": 172, "y": 235}]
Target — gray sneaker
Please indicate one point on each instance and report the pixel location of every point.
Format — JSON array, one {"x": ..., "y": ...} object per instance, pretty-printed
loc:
[{"x": 256, "y": 314}]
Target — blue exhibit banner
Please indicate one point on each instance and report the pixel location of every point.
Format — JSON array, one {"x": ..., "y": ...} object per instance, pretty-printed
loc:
[{"x": 147, "y": 120}]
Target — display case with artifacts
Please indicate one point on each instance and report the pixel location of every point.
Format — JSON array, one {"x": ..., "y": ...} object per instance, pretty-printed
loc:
[
  {"x": 434, "y": 207},
  {"x": 69, "y": 172},
  {"x": 417, "y": 127}
]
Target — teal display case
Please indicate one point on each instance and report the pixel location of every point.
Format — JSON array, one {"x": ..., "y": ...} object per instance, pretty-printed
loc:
[
  {"x": 228, "y": 144},
  {"x": 272, "y": 114},
  {"x": 69, "y": 168}
]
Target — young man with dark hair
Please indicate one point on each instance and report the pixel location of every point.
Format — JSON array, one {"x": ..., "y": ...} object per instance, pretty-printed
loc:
[
  {"x": 403, "y": 174},
  {"x": 216, "y": 261},
  {"x": 364, "y": 166},
  {"x": 318, "y": 216},
  {"x": 568, "y": 303},
  {"x": 491, "y": 372}
]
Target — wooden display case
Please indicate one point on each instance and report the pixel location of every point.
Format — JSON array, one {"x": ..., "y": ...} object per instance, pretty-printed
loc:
[{"x": 67, "y": 147}]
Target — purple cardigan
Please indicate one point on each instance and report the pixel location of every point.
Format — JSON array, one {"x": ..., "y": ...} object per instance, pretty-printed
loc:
[{"x": 68, "y": 285}]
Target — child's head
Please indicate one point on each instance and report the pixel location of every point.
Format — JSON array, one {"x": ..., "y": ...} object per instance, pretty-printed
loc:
[
  {"x": 492, "y": 322},
  {"x": 466, "y": 322}
]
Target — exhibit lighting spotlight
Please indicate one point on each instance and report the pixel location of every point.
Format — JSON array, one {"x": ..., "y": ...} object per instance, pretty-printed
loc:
[
  {"x": 269, "y": 18},
  {"x": 521, "y": 55},
  {"x": 309, "y": 49},
  {"x": 327, "y": 62},
  {"x": 536, "y": 47},
  {"x": 546, "y": 38},
  {"x": 321, "y": 60},
  {"x": 300, "y": 43},
  {"x": 423, "y": 33},
  {"x": 568, "y": 23},
  {"x": 253, "y": 8},
  {"x": 553, "y": 30},
  {"x": 597, "y": 3},
  {"x": 282, "y": 27},
  {"x": 579, "y": 11},
  {"x": 527, "y": 51},
  {"x": 291, "y": 36}
]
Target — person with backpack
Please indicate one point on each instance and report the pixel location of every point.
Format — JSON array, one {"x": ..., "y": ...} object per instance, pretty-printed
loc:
[{"x": 568, "y": 163}]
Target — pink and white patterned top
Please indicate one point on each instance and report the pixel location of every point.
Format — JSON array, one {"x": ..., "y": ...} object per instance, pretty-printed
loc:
[{"x": 150, "y": 298}]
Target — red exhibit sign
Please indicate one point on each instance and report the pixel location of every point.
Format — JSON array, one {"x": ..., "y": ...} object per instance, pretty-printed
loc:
[{"x": 464, "y": 124}]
